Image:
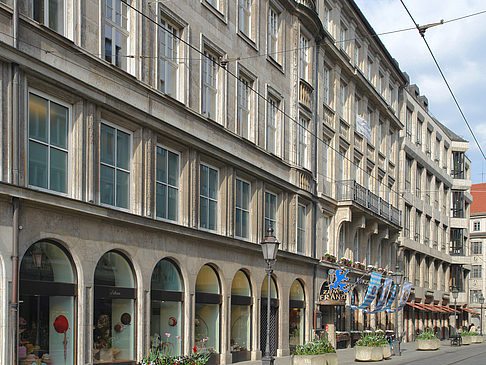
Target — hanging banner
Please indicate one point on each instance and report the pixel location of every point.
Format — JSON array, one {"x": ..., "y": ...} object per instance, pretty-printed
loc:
[
  {"x": 406, "y": 288},
  {"x": 391, "y": 298},
  {"x": 375, "y": 282},
  {"x": 363, "y": 127},
  {"x": 384, "y": 295}
]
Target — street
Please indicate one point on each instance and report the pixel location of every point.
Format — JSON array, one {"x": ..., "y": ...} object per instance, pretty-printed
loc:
[{"x": 470, "y": 354}]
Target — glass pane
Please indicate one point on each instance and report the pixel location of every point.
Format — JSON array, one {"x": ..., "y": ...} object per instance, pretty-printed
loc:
[
  {"x": 166, "y": 277},
  {"x": 161, "y": 201},
  {"x": 59, "y": 125},
  {"x": 107, "y": 185},
  {"x": 58, "y": 170},
  {"x": 241, "y": 285},
  {"x": 207, "y": 325},
  {"x": 114, "y": 270},
  {"x": 107, "y": 144},
  {"x": 166, "y": 317},
  {"x": 213, "y": 184},
  {"x": 122, "y": 150},
  {"x": 56, "y": 15},
  {"x": 273, "y": 288},
  {"x": 207, "y": 281},
  {"x": 240, "y": 327},
  {"x": 238, "y": 232},
  {"x": 108, "y": 43},
  {"x": 172, "y": 200},
  {"x": 37, "y": 118},
  {"x": 245, "y": 225},
  {"x": 204, "y": 181},
  {"x": 213, "y": 206},
  {"x": 161, "y": 165},
  {"x": 245, "y": 201},
  {"x": 37, "y": 164},
  {"x": 122, "y": 189},
  {"x": 297, "y": 291},
  {"x": 296, "y": 327},
  {"x": 238, "y": 194},
  {"x": 203, "y": 213},
  {"x": 173, "y": 169}
]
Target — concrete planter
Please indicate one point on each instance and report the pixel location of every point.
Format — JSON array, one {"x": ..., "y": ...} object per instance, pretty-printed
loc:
[
  {"x": 386, "y": 351},
  {"x": 467, "y": 340},
  {"x": 477, "y": 339},
  {"x": 428, "y": 345},
  {"x": 323, "y": 359},
  {"x": 364, "y": 353}
]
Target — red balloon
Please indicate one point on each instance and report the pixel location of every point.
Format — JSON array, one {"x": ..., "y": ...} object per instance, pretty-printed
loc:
[{"x": 61, "y": 324}]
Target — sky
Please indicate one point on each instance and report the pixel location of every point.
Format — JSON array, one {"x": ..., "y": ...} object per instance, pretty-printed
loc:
[{"x": 460, "y": 49}]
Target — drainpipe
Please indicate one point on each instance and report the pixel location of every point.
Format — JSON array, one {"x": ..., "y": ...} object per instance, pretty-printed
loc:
[{"x": 14, "y": 304}]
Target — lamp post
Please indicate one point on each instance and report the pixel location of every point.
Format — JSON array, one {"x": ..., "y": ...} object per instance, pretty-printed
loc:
[
  {"x": 481, "y": 301},
  {"x": 269, "y": 250},
  {"x": 397, "y": 277},
  {"x": 455, "y": 293}
]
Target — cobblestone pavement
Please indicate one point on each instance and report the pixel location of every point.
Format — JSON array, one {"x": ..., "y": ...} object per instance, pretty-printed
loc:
[{"x": 474, "y": 354}]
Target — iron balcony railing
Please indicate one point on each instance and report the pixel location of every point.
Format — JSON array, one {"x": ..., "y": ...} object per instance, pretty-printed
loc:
[
  {"x": 309, "y": 3},
  {"x": 351, "y": 190}
]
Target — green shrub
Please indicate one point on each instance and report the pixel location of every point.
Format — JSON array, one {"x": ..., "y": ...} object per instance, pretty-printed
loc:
[
  {"x": 316, "y": 347},
  {"x": 372, "y": 340},
  {"x": 428, "y": 334},
  {"x": 467, "y": 333}
]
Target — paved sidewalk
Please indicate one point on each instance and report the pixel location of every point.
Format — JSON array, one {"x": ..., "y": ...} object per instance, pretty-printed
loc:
[{"x": 468, "y": 354}]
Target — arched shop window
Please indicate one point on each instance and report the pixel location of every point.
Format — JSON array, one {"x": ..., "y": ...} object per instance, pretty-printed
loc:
[
  {"x": 167, "y": 294},
  {"x": 208, "y": 308},
  {"x": 296, "y": 315},
  {"x": 114, "y": 309},
  {"x": 47, "y": 297},
  {"x": 273, "y": 316},
  {"x": 240, "y": 317}
]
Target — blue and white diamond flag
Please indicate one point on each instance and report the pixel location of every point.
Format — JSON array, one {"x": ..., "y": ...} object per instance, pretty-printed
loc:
[{"x": 375, "y": 282}]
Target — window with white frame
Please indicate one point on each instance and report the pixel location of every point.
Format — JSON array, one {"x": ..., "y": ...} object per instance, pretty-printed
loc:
[
  {"x": 408, "y": 123},
  {"x": 167, "y": 184},
  {"x": 169, "y": 36},
  {"x": 304, "y": 60},
  {"x": 301, "y": 228},
  {"x": 477, "y": 226},
  {"x": 342, "y": 99},
  {"x": 48, "y": 144},
  {"x": 244, "y": 107},
  {"x": 325, "y": 233},
  {"x": 302, "y": 141},
  {"x": 270, "y": 211},
  {"x": 476, "y": 271},
  {"x": 215, "y": 4},
  {"x": 242, "y": 213},
  {"x": 343, "y": 31},
  {"x": 244, "y": 17},
  {"x": 210, "y": 84},
  {"x": 477, "y": 247},
  {"x": 116, "y": 33},
  {"x": 326, "y": 82},
  {"x": 420, "y": 124},
  {"x": 208, "y": 197},
  {"x": 325, "y": 158},
  {"x": 327, "y": 18},
  {"x": 273, "y": 29},
  {"x": 381, "y": 83},
  {"x": 369, "y": 69},
  {"x": 51, "y": 13},
  {"x": 272, "y": 122},
  {"x": 357, "y": 52},
  {"x": 115, "y": 159}
]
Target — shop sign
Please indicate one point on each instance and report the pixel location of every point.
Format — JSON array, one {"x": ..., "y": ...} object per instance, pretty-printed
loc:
[
  {"x": 335, "y": 293},
  {"x": 332, "y": 297}
]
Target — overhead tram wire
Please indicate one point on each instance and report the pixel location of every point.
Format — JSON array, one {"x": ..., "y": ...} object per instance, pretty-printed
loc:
[{"x": 421, "y": 30}]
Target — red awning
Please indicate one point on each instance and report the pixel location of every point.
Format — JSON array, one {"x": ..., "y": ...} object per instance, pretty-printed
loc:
[
  {"x": 429, "y": 307},
  {"x": 454, "y": 310},
  {"x": 469, "y": 310},
  {"x": 446, "y": 309},
  {"x": 415, "y": 305}
]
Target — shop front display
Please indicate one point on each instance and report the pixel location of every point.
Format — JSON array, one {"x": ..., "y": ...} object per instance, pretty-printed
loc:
[
  {"x": 167, "y": 294},
  {"x": 114, "y": 310},
  {"x": 46, "y": 313},
  {"x": 273, "y": 316},
  {"x": 296, "y": 315},
  {"x": 240, "y": 317}
]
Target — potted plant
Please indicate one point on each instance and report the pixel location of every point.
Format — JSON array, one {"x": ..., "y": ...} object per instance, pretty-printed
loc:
[
  {"x": 476, "y": 338},
  {"x": 359, "y": 265},
  {"x": 329, "y": 257},
  {"x": 346, "y": 262},
  {"x": 466, "y": 337},
  {"x": 427, "y": 341},
  {"x": 369, "y": 348},
  {"x": 317, "y": 352},
  {"x": 382, "y": 270},
  {"x": 385, "y": 345}
]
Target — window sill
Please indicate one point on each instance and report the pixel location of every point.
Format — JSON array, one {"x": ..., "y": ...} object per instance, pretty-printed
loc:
[
  {"x": 248, "y": 40},
  {"x": 275, "y": 64},
  {"x": 49, "y": 191},
  {"x": 215, "y": 11},
  {"x": 114, "y": 207}
]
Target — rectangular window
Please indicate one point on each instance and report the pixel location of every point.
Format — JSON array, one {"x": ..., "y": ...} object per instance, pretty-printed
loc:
[
  {"x": 116, "y": 32},
  {"x": 242, "y": 214},
  {"x": 301, "y": 228},
  {"x": 244, "y": 102},
  {"x": 428, "y": 143},
  {"x": 458, "y": 165},
  {"x": 476, "y": 272},
  {"x": 115, "y": 167},
  {"x": 458, "y": 204},
  {"x": 408, "y": 213},
  {"x": 273, "y": 26},
  {"x": 302, "y": 151},
  {"x": 168, "y": 58},
  {"x": 304, "y": 58},
  {"x": 418, "y": 182},
  {"x": 215, "y": 4},
  {"x": 408, "y": 122},
  {"x": 326, "y": 85},
  {"x": 272, "y": 122},
  {"x": 369, "y": 70},
  {"x": 209, "y": 84},
  {"x": 428, "y": 186},
  {"x": 327, "y": 17},
  {"x": 419, "y": 132},
  {"x": 357, "y": 53},
  {"x": 408, "y": 174},
  {"x": 343, "y": 31},
  {"x": 477, "y": 248},
  {"x": 244, "y": 17},
  {"x": 48, "y": 144},
  {"x": 50, "y": 13},
  {"x": 325, "y": 159},
  {"x": 418, "y": 219},
  {"x": 208, "y": 198},
  {"x": 477, "y": 226},
  {"x": 167, "y": 184},
  {"x": 270, "y": 211},
  {"x": 342, "y": 99}
]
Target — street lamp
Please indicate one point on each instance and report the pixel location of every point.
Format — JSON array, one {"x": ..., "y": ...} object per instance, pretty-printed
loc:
[
  {"x": 397, "y": 278},
  {"x": 455, "y": 294},
  {"x": 269, "y": 250},
  {"x": 481, "y": 301}
]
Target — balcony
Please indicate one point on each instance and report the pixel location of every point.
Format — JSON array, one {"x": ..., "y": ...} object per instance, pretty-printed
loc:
[
  {"x": 305, "y": 93},
  {"x": 456, "y": 250},
  {"x": 309, "y": 3},
  {"x": 351, "y": 190}
]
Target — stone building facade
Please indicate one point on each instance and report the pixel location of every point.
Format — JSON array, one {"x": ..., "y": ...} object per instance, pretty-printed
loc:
[{"x": 146, "y": 148}]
